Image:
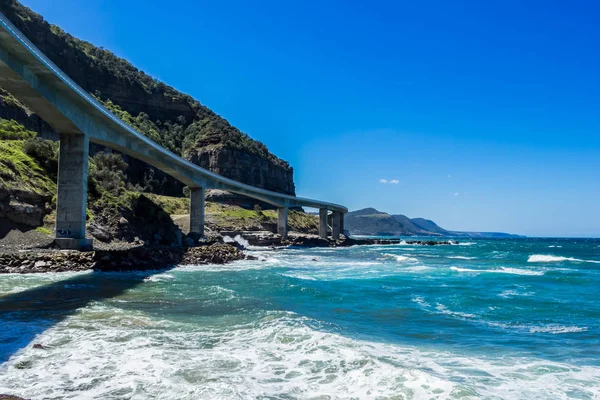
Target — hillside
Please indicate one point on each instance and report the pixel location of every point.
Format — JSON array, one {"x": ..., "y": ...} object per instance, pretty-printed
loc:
[
  {"x": 173, "y": 119},
  {"x": 369, "y": 221}
]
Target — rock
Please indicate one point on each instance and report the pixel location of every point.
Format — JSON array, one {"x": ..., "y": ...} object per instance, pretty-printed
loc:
[
  {"x": 188, "y": 241},
  {"x": 39, "y": 264},
  {"x": 38, "y": 346},
  {"x": 123, "y": 221},
  {"x": 10, "y": 397},
  {"x": 99, "y": 232},
  {"x": 24, "y": 208}
]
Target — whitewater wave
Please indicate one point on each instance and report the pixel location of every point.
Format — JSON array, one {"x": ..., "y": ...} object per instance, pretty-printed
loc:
[
  {"x": 461, "y": 258},
  {"x": 513, "y": 293},
  {"x": 443, "y": 310},
  {"x": 502, "y": 270},
  {"x": 402, "y": 258},
  {"x": 539, "y": 258},
  {"x": 159, "y": 278},
  {"x": 417, "y": 268},
  {"x": 279, "y": 356},
  {"x": 554, "y": 329}
]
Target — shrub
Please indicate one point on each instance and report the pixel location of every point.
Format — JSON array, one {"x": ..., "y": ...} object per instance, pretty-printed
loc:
[
  {"x": 45, "y": 153},
  {"x": 108, "y": 172}
]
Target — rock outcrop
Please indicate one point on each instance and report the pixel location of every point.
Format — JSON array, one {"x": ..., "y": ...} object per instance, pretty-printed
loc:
[
  {"x": 251, "y": 169},
  {"x": 132, "y": 259},
  {"x": 22, "y": 208}
]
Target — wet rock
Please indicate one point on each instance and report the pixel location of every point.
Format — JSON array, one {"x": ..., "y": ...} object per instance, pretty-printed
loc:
[{"x": 38, "y": 346}]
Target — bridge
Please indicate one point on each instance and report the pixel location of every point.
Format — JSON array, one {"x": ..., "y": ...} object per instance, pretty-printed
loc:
[{"x": 79, "y": 119}]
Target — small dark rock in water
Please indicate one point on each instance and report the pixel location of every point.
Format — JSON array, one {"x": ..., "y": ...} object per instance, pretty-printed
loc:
[
  {"x": 38, "y": 346},
  {"x": 314, "y": 259},
  {"x": 251, "y": 257},
  {"x": 10, "y": 397}
]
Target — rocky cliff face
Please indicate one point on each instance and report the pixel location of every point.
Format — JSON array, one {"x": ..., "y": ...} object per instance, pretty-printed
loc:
[
  {"x": 250, "y": 168},
  {"x": 159, "y": 111}
]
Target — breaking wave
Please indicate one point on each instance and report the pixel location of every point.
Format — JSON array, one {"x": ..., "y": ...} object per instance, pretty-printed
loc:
[
  {"x": 539, "y": 258},
  {"x": 502, "y": 270}
]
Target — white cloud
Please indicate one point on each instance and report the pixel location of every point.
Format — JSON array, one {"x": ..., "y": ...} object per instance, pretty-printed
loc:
[
  {"x": 395, "y": 181},
  {"x": 456, "y": 194},
  {"x": 383, "y": 180}
]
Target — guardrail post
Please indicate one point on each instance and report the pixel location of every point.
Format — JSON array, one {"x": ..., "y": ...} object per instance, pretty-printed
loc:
[
  {"x": 335, "y": 225},
  {"x": 323, "y": 223},
  {"x": 282, "y": 221},
  {"x": 197, "y": 196},
  {"x": 71, "y": 200}
]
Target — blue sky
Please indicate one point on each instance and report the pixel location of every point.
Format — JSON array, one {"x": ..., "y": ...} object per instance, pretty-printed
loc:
[{"x": 487, "y": 114}]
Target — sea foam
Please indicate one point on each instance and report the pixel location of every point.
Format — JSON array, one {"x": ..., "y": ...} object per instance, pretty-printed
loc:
[
  {"x": 502, "y": 270},
  {"x": 281, "y": 356},
  {"x": 401, "y": 258},
  {"x": 539, "y": 258}
]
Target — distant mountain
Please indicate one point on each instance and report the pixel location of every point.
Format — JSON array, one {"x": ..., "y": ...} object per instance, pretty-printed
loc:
[
  {"x": 369, "y": 221},
  {"x": 430, "y": 226}
]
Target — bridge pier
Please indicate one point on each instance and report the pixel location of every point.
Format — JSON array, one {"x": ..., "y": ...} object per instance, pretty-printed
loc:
[
  {"x": 71, "y": 200},
  {"x": 282, "y": 221},
  {"x": 335, "y": 225},
  {"x": 323, "y": 223},
  {"x": 197, "y": 205}
]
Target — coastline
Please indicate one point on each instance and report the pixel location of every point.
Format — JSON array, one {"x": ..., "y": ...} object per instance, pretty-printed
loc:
[{"x": 138, "y": 257}]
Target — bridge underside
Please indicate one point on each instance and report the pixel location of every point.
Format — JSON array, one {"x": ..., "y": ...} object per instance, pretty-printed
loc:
[{"x": 79, "y": 119}]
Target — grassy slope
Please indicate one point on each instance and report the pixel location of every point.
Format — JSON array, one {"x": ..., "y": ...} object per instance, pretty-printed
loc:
[{"x": 18, "y": 171}]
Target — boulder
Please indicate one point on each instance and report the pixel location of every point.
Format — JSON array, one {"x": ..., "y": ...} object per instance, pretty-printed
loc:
[{"x": 99, "y": 232}]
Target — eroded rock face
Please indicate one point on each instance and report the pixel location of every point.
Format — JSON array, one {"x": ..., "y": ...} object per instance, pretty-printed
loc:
[
  {"x": 244, "y": 167},
  {"x": 22, "y": 208}
]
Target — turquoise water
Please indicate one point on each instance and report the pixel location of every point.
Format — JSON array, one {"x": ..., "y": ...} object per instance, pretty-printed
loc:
[{"x": 512, "y": 319}]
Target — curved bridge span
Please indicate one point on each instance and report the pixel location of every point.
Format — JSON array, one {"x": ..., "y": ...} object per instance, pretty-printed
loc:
[{"x": 79, "y": 119}]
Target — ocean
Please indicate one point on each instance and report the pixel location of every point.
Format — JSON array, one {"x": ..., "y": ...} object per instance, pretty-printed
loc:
[{"x": 492, "y": 319}]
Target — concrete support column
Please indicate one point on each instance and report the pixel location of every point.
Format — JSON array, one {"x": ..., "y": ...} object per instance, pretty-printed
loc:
[
  {"x": 335, "y": 225},
  {"x": 197, "y": 196},
  {"x": 323, "y": 223},
  {"x": 342, "y": 215},
  {"x": 282, "y": 221},
  {"x": 71, "y": 200}
]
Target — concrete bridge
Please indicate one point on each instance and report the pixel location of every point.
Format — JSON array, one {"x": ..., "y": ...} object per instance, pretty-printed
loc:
[{"x": 79, "y": 119}]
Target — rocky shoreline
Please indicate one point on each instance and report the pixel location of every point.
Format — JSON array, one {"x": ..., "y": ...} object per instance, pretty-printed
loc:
[
  {"x": 266, "y": 238},
  {"x": 132, "y": 257}
]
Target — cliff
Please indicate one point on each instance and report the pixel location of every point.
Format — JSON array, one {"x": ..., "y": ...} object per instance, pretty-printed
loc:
[{"x": 173, "y": 119}]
